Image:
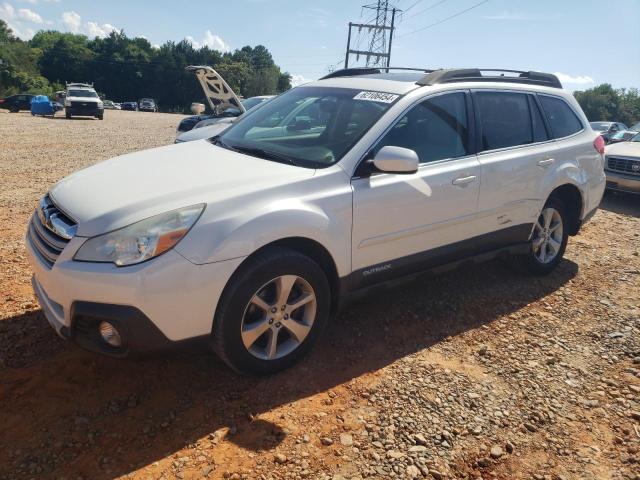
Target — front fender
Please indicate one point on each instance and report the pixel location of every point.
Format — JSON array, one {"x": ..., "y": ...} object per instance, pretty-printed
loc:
[{"x": 241, "y": 235}]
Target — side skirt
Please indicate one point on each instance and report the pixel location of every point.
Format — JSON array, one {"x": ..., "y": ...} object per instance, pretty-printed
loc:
[{"x": 508, "y": 241}]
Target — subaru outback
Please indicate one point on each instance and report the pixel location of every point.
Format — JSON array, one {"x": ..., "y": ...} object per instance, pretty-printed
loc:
[{"x": 253, "y": 238}]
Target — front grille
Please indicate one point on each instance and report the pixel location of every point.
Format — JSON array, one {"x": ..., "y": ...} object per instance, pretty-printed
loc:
[
  {"x": 624, "y": 165},
  {"x": 84, "y": 106},
  {"x": 42, "y": 231}
]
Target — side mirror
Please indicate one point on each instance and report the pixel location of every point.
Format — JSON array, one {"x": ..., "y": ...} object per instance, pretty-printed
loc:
[{"x": 396, "y": 160}]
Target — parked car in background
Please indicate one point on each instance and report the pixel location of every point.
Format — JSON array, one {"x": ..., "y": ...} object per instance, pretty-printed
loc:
[
  {"x": 221, "y": 98},
  {"x": 118, "y": 106},
  {"x": 147, "y": 105},
  {"x": 190, "y": 122},
  {"x": 208, "y": 131},
  {"x": 251, "y": 240},
  {"x": 130, "y": 106},
  {"x": 622, "y": 165},
  {"x": 15, "y": 103},
  {"x": 81, "y": 100},
  {"x": 109, "y": 105},
  {"x": 608, "y": 129},
  {"x": 41, "y": 105},
  {"x": 625, "y": 135},
  {"x": 215, "y": 126}
]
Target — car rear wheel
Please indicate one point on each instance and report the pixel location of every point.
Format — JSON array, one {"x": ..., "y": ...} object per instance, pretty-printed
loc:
[
  {"x": 272, "y": 312},
  {"x": 549, "y": 239}
]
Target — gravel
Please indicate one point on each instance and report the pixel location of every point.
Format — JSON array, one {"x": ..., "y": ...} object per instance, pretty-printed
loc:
[{"x": 480, "y": 373}]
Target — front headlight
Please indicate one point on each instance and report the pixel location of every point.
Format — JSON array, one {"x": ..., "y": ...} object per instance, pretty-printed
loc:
[
  {"x": 67, "y": 103},
  {"x": 100, "y": 105},
  {"x": 142, "y": 240}
]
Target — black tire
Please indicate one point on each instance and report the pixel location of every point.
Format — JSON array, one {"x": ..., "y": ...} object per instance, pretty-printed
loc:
[
  {"x": 531, "y": 261},
  {"x": 67, "y": 115},
  {"x": 250, "y": 278},
  {"x": 14, "y": 110}
]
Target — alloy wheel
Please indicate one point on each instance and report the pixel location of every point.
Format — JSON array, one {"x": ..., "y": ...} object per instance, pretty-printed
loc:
[
  {"x": 547, "y": 235},
  {"x": 279, "y": 317}
]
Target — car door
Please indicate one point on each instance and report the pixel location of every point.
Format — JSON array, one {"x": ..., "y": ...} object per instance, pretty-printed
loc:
[
  {"x": 514, "y": 154},
  {"x": 405, "y": 223}
]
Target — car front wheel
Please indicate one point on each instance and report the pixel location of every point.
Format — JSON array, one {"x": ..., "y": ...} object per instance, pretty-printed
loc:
[
  {"x": 549, "y": 239},
  {"x": 272, "y": 312}
]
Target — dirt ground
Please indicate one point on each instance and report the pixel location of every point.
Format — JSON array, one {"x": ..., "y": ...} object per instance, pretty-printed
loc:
[{"x": 482, "y": 373}]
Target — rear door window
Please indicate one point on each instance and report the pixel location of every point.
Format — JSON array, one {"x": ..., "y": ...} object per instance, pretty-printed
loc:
[
  {"x": 505, "y": 119},
  {"x": 562, "y": 120}
]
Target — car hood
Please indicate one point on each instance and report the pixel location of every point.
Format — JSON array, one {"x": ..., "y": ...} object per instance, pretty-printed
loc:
[
  {"x": 625, "y": 149},
  {"x": 204, "y": 132},
  {"x": 129, "y": 188}
]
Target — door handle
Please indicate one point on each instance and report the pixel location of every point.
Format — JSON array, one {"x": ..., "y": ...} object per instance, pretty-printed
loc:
[
  {"x": 462, "y": 181},
  {"x": 546, "y": 162}
]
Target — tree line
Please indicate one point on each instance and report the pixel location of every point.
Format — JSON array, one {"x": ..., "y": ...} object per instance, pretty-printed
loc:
[
  {"x": 127, "y": 69},
  {"x": 606, "y": 103}
]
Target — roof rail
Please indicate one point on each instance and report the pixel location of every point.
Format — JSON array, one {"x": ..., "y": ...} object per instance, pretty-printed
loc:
[
  {"x": 475, "y": 75},
  {"x": 355, "y": 71}
]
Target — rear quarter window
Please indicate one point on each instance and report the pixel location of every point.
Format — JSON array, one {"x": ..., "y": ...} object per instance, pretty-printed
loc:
[{"x": 562, "y": 120}]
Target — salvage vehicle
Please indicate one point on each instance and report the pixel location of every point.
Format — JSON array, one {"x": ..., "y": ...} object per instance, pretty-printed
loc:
[
  {"x": 220, "y": 96},
  {"x": 215, "y": 126},
  {"x": 109, "y": 105},
  {"x": 81, "y": 100},
  {"x": 15, "y": 103},
  {"x": 252, "y": 239},
  {"x": 622, "y": 166}
]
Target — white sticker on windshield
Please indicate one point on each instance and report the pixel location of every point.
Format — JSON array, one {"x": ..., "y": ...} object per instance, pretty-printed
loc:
[{"x": 376, "y": 97}]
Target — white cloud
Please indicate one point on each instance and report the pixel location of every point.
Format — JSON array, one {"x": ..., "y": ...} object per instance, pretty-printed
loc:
[
  {"x": 73, "y": 22},
  {"x": 29, "y": 16},
  {"x": 14, "y": 19},
  {"x": 579, "y": 80},
  {"x": 299, "y": 80},
  {"x": 96, "y": 30},
  {"x": 209, "y": 40}
]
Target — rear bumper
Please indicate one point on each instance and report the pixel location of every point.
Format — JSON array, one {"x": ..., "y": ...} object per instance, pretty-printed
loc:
[{"x": 622, "y": 182}]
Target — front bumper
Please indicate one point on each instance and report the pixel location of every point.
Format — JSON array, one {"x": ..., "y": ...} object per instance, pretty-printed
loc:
[
  {"x": 622, "y": 182},
  {"x": 157, "y": 304},
  {"x": 89, "y": 111}
]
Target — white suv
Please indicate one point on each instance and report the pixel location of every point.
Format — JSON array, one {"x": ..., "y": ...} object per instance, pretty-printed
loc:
[{"x": 251, "y": 239}]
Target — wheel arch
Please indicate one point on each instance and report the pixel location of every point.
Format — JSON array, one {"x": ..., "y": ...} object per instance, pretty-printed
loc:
[
  {"x": 571, "y": 197},
  {"x": 310, "y": 248}
]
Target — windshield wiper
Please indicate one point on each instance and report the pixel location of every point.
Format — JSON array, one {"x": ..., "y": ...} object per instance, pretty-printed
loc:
[{"x": 266, "y": 154}]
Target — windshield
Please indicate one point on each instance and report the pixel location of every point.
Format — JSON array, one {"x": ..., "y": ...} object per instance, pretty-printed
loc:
[
  {"x": 636, "y": 127},
  {"x": 600, "y": 126},
  {"x": 636, "y": 138},
  {"x": 146, "y": 100},
  {"x": 308, "y": 126},
  {"x": 83, "y": 93}
]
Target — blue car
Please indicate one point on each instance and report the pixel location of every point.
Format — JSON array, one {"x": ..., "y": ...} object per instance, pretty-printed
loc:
[{"x": 41, "y": 105}]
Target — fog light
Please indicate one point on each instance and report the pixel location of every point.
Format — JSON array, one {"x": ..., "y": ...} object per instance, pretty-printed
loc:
[{"x": 110, "y": 334}]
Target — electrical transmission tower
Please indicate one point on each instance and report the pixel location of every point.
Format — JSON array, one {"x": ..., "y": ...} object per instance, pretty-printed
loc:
[{"x": 380, "y": 36}]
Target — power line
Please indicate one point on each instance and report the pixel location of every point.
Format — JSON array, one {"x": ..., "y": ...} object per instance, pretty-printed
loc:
[
  {"x": 412, "y": 5},
  {"x": 444, "y": 19},
  {"x": 426, "y": 9}
]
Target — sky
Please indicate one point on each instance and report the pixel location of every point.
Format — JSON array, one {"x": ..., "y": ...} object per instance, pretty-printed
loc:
[{"x": 585, "y": 42}]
